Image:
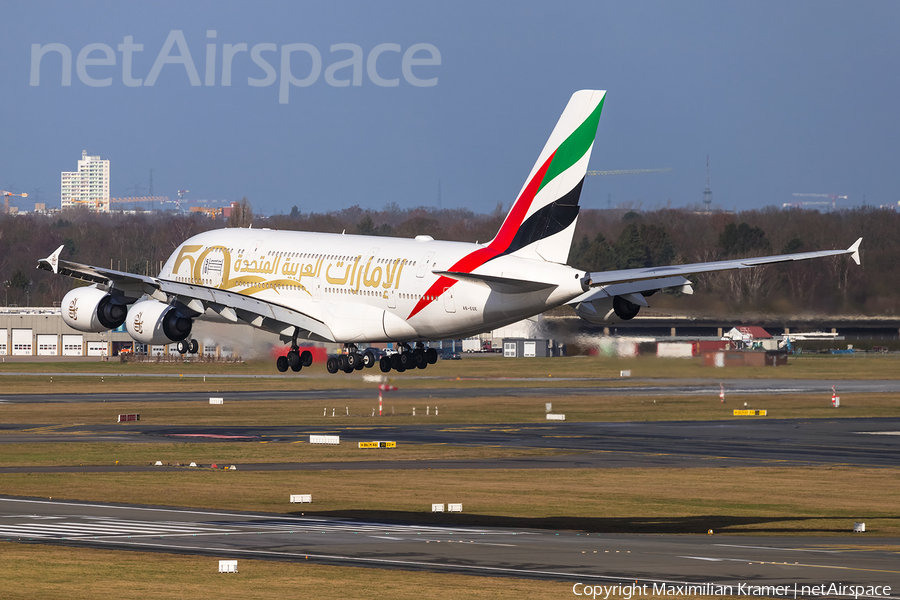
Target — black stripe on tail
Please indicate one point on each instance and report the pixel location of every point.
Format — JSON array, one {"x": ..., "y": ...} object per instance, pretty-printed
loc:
[{"x": 547, "y": 221}]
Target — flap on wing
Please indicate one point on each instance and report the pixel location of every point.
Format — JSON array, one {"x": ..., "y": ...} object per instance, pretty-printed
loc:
[
  {"x": 503, "y": 285},
  {"x": 232, "y": 306}
]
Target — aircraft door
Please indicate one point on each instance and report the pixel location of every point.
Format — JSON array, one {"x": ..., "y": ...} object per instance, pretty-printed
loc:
[
  {"x": 449, "y": 306},
  {"x": 392, "y": 298},
  {"x": 424, "y": 265}
]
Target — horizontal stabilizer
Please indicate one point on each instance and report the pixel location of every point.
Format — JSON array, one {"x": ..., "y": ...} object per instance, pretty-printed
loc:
[{"x": 503, "y": 285}]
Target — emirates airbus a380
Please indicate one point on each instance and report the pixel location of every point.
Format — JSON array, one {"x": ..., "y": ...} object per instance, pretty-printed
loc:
[{"x": 356, "y": 290}]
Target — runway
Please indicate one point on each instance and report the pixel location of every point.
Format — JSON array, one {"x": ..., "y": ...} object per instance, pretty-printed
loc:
[
  {"x": 512, "y": 552},
  {"x": 522, "y": 552},
  {"x": 871, "y": 442},
  {"x": 526, "y": 388}
]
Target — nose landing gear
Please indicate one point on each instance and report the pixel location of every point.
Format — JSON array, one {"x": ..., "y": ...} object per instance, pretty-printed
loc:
[{"x": 294, "y": 360}]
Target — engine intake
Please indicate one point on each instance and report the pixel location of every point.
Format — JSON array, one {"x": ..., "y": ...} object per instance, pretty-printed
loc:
[
  {"x": 155, "y": 322},
  {"x": 90, "y": 309}
]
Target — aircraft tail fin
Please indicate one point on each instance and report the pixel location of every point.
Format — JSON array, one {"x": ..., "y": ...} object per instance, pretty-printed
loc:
[{"x": 542, "y": 220}]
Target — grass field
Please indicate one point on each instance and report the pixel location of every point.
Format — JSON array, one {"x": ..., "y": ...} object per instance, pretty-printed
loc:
[
  {"x": 464, "y": 410},
  {"x": 241, "y": 453},
  {"x": 481, "y": 371},
  {"x": 764, "y": 500},
  {"x": 751, "y": 500},
  {"x": 87, "y": 574}
]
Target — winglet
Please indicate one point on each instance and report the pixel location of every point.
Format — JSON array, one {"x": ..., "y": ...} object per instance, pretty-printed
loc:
[
  {"x": 53, "y": 259},
  {"x": 854, "y": 249}
]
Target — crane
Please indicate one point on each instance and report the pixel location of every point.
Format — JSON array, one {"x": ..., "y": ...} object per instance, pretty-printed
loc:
[
  {"x": 630, "y": 171},
  {"x": 627, "y": 172},
  {"x": 103, "y": 203},
  {"x": 6, "y": 196},
  {"x": 834, "y": 198}
]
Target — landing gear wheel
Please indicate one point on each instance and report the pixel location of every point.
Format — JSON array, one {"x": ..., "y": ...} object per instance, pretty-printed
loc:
[
  {"x": 331, "y": 365},
  {"x": 385, "y": 364},
  {"x": 293, "y": 359},
  {"x": 360, "y": 362},
  {"x": 282, "y": 363},
  {"x": 394, "y": 360},
  {"x": 431, "y": 356},
  {"x": 419, "y": 359},
  {"x": 195, "y": 346},
  {"x": 399, "y": 368},
  {"x": 184, "y": 347},
  {"x": 306, "y": 358},
  {"x": 348, "y": 369},
  {"x": 296, "y": 368},
  {"x": 368, "y": 359},
  {"x": 343, "y": 362}
]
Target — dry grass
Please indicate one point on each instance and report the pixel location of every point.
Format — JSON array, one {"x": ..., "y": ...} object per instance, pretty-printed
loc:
[
  {"x": 478, "y": 372},
  {"x": 241, "y": 453},
  {"x": 746, "y": 500},
  {"x": 463, "y": 410},
  {"x": 87, "y": 574}
]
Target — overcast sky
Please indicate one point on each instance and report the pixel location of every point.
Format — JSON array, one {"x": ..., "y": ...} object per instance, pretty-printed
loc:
[{"x": 784, "y": 97}]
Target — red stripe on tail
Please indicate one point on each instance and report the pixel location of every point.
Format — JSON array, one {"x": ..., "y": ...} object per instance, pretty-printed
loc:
[{"x": 498, "y": 245}]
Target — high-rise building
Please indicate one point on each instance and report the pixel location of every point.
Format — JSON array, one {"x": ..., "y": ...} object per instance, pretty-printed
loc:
[{"x": 88, "y": 186}]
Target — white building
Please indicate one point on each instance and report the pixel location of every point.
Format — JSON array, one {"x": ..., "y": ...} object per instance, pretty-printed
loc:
[{"x": 88, "y": 186}]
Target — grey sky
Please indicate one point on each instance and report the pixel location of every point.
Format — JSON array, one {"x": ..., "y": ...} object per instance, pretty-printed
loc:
[{"x": 784, "y": 96}]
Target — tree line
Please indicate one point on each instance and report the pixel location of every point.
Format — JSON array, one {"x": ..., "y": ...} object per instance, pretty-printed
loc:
[{"x": 604, "y": 240}]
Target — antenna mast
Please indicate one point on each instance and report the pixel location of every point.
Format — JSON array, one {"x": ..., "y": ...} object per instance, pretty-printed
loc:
[{"x": 707, "y": 193}]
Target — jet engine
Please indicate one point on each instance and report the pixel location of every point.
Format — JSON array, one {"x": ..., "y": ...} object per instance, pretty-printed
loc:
[
  {"x": 90, "y": 309},
  {"x": 607, "y": 311},
  {"x": 154, "y": 322}
]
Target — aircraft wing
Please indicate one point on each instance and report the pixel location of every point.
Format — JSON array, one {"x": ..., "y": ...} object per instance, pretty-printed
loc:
[
  {"x": 197, "y": 299},
  {"x": 605, "y": 278}
]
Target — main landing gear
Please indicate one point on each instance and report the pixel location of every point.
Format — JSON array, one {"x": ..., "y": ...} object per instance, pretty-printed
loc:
[
  {"x": 188, "y": 347},
  {"x": 294, "y": 360},
  {"x": 408, "y": 358},
  {"x": 351, "y": 360}
]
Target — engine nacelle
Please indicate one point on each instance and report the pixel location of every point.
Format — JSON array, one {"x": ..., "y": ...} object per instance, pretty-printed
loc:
[
  {"x": 607, "y": 311},
  {"x": 91, "y": 309},
  {"x": 155, "y": 322}
]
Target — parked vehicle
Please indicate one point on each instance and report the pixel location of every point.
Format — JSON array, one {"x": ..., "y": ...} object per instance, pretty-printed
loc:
[{"x": 471, "y": 345}]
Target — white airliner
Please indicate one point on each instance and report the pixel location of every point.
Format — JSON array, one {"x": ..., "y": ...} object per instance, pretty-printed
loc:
[{"x": 356, "y": 290}]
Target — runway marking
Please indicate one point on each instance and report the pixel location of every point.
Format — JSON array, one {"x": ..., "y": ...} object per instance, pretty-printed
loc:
[
  {"x": 300, "y": 522},
  {"x": 878, "y": 432},
  {"x": 775, "y": 548},
  {"x": 386, "y": 537},
  {"x": 214, "y": 436},
  {"x": 407, "y": 563},
  {"x": 105, "y": 528}
]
